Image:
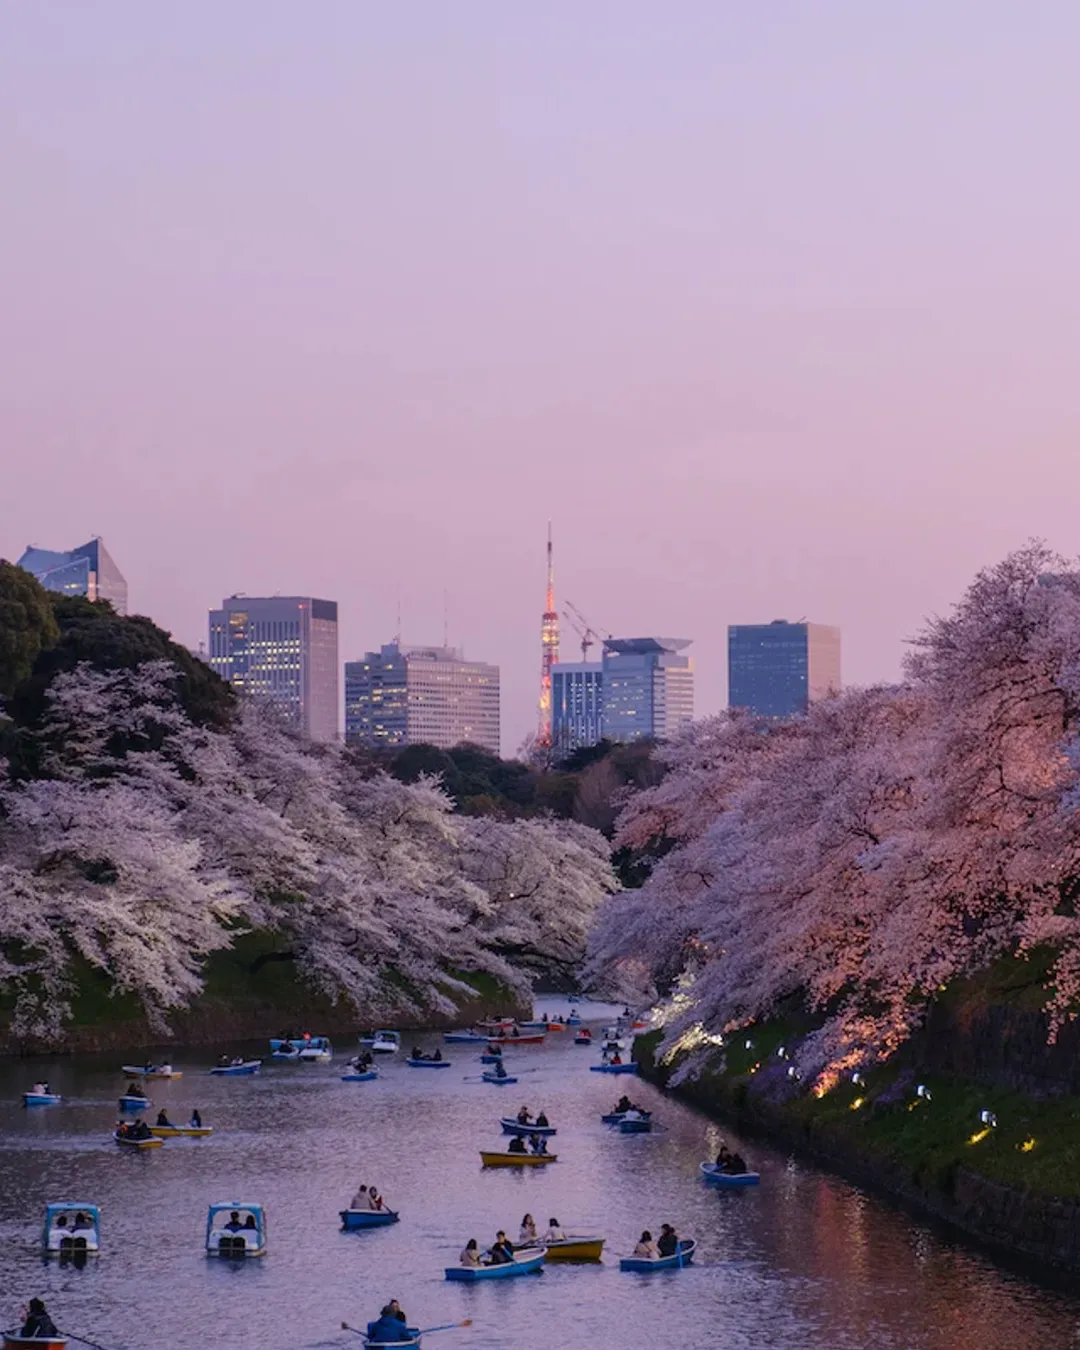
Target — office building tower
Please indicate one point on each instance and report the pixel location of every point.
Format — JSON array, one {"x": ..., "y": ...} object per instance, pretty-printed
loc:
[
  {"x": 87, "y": 570},
  {"x": 778, "y": 669},
  {"x": 282, "y": 648},
  {"x": 411, "y": 695},
  {"x": 577, "y": 705},
  {"x": 648, "y": 688}
]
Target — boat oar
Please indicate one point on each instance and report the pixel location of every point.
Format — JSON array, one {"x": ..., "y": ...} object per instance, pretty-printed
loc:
[{"x": 84, "y": 1341}]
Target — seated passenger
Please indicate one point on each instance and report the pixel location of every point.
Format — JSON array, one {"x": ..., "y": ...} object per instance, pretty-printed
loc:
[
  {"x": 163, "y": 1120},
  {"x": 250, "y": 1223},
  {"x": 736, "y": 1165},
  {"x": 81, "y": 1222},
  {"x": 646, "y": 1247},
  {"x": 375, "y": 1200},
  {"x": 417, "y": 1053},
  {"x": 196, "y": 1121},
  {"x": 437, "y": 1056},
  {"x": 538, "y": 1143},
  {"x": 133, "y": 1090},
  {"x": 723, "y": 1157},
  {"x": 668, "y": 1243},
  {"x": 527, "y": 1231},
  {"x": 553, "y": 1233},
  {"x": 500, "y": 1070},
  {"x": 542, "y": 1120},
  {"x": 360, "y": 1199},
  {"x": 234, "y": 1225},
  {"x": 516, "y": 1145},
  {"x": 470, "y": 1254},
  {"x": 623, "y": 1105}
]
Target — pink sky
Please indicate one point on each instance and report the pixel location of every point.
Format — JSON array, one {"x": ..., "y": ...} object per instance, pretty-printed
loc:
[{"x": 773, "y": 309}]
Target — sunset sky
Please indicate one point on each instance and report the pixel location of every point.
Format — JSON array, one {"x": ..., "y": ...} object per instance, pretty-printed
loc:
[{"x": 773, "y": 309}]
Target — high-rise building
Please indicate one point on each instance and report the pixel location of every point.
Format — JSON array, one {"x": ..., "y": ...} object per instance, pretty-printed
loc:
[
  {"x": 648, "y": 688},
  {"x": 411, "y": 695},
  {"x": 577, "y": 705},
  {"x": 87, "y": 570},
  {"x": 283, "y": 648},
  {"x": 778, "y": 669}
]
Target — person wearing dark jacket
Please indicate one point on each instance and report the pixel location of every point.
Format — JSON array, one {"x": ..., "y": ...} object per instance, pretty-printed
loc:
[
  {"x": 668, "y": 1242},
  {"x": 390, "y": 1329},
  {"x": 501, "y": 1253},
  {"x": 38, "y": 1322}
]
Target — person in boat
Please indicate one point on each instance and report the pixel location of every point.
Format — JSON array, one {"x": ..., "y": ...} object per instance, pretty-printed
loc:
[
  {"x": 500, "y": 1070},
  {"x": 516, "y": 1145},
  {"x": 633, "y": 1114},
  {"x": 223, "y": 1061},
  {"x": 527, "y": 1231},
  {"x": 375, "y": 1200},
  {"x": 501, "y": 1252},
  {"x": 417, "y": 1053},
  {"x": 537, "y": 1143},
  {"x": 554, "y": 1232},
  {"x": 494, "y": 1048},
  {"x": 616, "y": 1058},
  {"x": 542, "y": 1120},
  {"x": 623, "y": 1105},
  {"x": 195, "y": 1122},
  {"x": 437, "y": 1056},
  {"x": 81, "y": 1222},
  {"x": 40, "y": 1090},
  {"x": 140, "y": 1130},
  {"x": 234, "y": 1225},
  {"x": 544, "y": 1018},
  {"x": 133, "y": 1090},
  {"x": 390, "y": 1329},
  {"x": 250, "y": 1224},
  {"x": 646, "y": 1247},
  {"x": 360, "y": 1199},
  {"x": 523, "y": 1117},
  {"x": 668, "y": 1242},
  {"x": 736, "y": 1165},
  {"x": 395, "y": 1308},
  {"x": 163, "y": 1120},
  {"x": 723, "y": 1158},
  {"x": 470, "y": 1254},
  {"x": 38, "y": 1322}
]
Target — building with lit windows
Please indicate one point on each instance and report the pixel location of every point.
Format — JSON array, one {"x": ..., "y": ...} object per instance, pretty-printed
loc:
[
  {"x": 778, "y": 669},
  {"x": 411, "y": 695},
  {"x": 282, "y": 648},
  {"x": 648, "y": 688},
  {"x": 87, "y": 570},
  {"x": 577, "y": 705}
]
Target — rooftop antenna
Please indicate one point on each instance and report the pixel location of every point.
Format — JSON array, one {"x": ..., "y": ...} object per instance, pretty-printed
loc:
[
  {"x": 445, "y": 619},
  {"x": 397, "y": 635}
]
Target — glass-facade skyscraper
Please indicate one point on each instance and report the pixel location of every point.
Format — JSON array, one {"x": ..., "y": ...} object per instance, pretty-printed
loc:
[
  {"x": 282, "y": 648},
  {"x": 87, "y": 570},
  {"x": 778, "y": 669},
  {"x": 412, "y": 695},
  {"x": 648, "y": 688},
  {"x": 577, "y": 705}
]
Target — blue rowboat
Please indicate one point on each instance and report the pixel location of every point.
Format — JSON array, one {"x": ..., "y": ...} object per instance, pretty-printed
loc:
[
  {"x": 613, "y": 1117},
  {"x": 490, "y": 1059},
  {"x": 464, "y": 1038},
  {"x": 246, "y": 1066},
  {"x": 134, "y": 1103},
  {"x": 715, "y": 1177},
  {"x": 613, "y": 1068},
  {"x": 41, "y": 1098},
  {"x": 510, "y": 1126},
  {"x": 351, "y": 1219},
  {"x": 428, "y": 1063},
  {"x": 505, "y": 1081},
  {"x": 414, "y": 1334},
  {"x": 682, "y": 1257},
  {"x": 531, "y": 1265},
  {"x": 365, "y": 1077},
  {"x": 641, "y": 1126}
]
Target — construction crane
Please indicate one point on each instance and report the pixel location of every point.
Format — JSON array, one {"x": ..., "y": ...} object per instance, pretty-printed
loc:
[{"x": 584, "y": 629}]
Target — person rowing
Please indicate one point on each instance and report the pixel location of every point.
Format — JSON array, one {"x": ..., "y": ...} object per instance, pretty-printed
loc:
[
  {"x": 668, "y": 1242},
  {"x": 523, "y": 1117},
  {"x": 516, "y": 1145},
  {"x": 494, "y": 1049},
  {"x": 537, "y": 1143},
  {"x": 623, "y": 1105},
  {"x": 500, "y": 1069},
  {"x": 133, "y": 1090},
  {"x": 501, "y": 1253},
  {"x": 38, "y": 1323},
  {"x": 390, "y": 1328}
]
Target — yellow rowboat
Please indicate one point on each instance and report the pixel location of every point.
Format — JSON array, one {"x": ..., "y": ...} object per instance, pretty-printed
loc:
[
  {"x": 138, "y": 1143},
  {"x": 175, "y": 1131},
  {"x": 575, "y": 1249},
  {"x": 517, "y": 1159}
]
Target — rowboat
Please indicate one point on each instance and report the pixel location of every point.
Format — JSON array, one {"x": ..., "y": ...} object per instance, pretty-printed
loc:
[
  {"x": 464, "y": 1038},
  {"x": 529, "y": 1265},
  {"x": 533, "y": 1026},
  {"x": 13, "y": 1341},
  {"x": 681, "y": 1258},
  {"x": 244, "y": 1066},
  {"x": 613, "y": 1068},
  {"x": 572, "y": 1248},
  {"x": 517, "y": 1159},
  {"x": 71, "y": 1229},
  {"x": 151, "y": 1071},
  {"x": 181, "y": 1131},
  {"x": 511, "y": 1126},
  {"x": 414, "y": 1338},
  {"x": 427, "y": 1063},
  {"x": 129, "y": 1102},
  {"x": 124, "y": 1142},
  {"x": 498, "y": 1023},
  {"x": 583, "y": 1038},
  {"x": 531, "y": 1038},
  {"x": 490, "y": 1059},
  {"x": 635, "y": 1125},
  {"x": 503, "y": 1080},
  {"x": 716, "y": 1177},
  {"x": 364, "y": 1077},
  {"x": 234, "y": 1229},
  {"x": 41, "y": 1098},
  {"x": 367, "y": 1218}
]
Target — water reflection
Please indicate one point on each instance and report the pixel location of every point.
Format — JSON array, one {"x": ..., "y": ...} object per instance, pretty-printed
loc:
[{"x": 802, "y": 1261}]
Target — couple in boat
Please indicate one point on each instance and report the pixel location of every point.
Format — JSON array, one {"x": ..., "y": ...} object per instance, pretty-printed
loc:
[
  {"x": 537, "y": 1144},
  {"x": 733, "y": 1164},
  {"x": 529, "y": 1237},
  {"x": 391, "y": 1327},
  {"x": 667, "y": 1244},
  {"x": 500, "y": 1253},
  {"x": 524, "y": 1118},
  {"x": 417, "y": 1053},
  {"x": 368, "y": 1199}
]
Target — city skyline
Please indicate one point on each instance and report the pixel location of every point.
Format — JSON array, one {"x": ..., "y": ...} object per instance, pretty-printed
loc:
[{"x": 830, "y": 377}]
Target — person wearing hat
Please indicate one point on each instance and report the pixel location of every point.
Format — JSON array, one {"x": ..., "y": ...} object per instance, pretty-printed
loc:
[{"x": 38, "y": 1322}]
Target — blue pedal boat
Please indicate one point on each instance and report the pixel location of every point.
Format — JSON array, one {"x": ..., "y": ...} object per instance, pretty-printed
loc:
[
  {"x": 531, "y": 1265},
  {"x": 240, "y": 1236},
  {"x": 681, "y": 1258},
  {"x": 428, "y": 1063},
  {"x": 71, "y": 1229},
  {"x": 511, "y": 1126},
  {"x": 643, "y": 1125},
  {"x": 241, "y": 1068},
  {"x": 353, "y": 1219},
  {"x": 613, "y": 1068},
  {"x": 364, "y": 1077},
  {"x": 715, "y": 1176},
  {"x": 133, "y": 1103},
  {"x": 504, "y": 1081},
  {"x": 41, "y": 1099}
]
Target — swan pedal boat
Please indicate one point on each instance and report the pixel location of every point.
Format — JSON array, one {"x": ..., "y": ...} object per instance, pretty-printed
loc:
[
  {"x": 511, "y": 1126},
  {"x": 364, "y": 1077},
  {"x": 134, "y": 1071},
  {"x": 573, "y": 1248},
  {"x": 517, "y": 1159},
  {"x": 181, "y": 1131},
  {"x": 613, "y": 1068},
  {"x": 427, "y": 1063},
  {"x": 134, "y": 1103},
  {"x": 41, "y": 1099},
  {"x": 352, "y": 1219},
  {"x": 13, "y": 1341},
  {"x": 681, "y": 1258},
  {"x": 529, "y": 1265},
  {"x": 503, "y": 1080},
  {"x": 138, "y": 1143},
  {"x": 717, "y": 1177},
  {"x": 246, "y": 1066}
]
